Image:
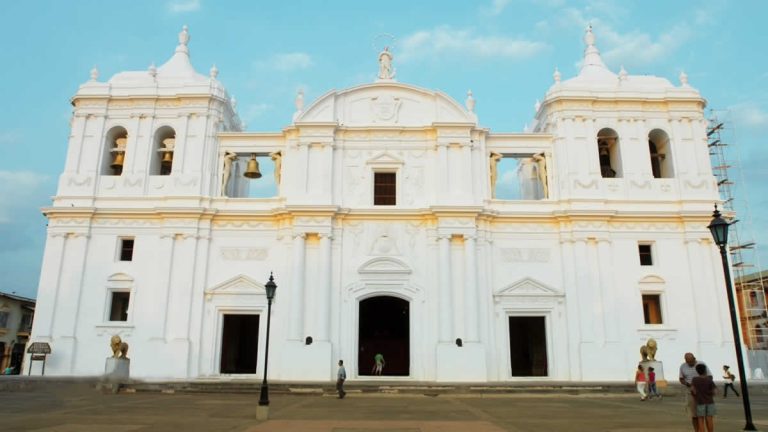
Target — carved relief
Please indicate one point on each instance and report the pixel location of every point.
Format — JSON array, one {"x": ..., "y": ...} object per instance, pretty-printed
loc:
[
  {"x": 243, "y": 254},
  {"x": 384, "y": 245},
  {"x": 526, "y": 255},
  {"x": 641, "y": 185},
  {"x": 578, "y": 184},
  {"x": 385, "y": 108},
  {"x": 77, "y": 180},
  {"x": 414, "y": 184}
]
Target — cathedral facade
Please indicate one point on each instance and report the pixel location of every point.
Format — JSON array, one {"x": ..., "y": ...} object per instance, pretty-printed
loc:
[{"x": 385, "y": 235}]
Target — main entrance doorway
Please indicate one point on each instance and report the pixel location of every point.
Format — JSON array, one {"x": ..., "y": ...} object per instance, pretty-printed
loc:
[
  {"x": 528, "y": 346},
  {"x": 239, "y": 344},
  {"x": 384, "y": 328}
]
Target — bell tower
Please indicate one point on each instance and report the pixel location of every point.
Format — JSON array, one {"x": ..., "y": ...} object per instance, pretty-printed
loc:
[{"x": 147, "y": 133}]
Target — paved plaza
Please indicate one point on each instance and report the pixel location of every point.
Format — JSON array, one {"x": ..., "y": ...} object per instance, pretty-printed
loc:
[{"x": 80, "y": 408}]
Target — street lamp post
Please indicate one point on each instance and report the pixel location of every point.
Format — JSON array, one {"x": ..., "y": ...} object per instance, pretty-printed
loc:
[
  {"x": 271, "y": 287},
  {"x": 719, "y": 229}
]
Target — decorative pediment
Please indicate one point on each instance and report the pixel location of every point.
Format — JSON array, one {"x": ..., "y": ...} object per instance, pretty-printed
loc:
[
  {"x": 652, "y": 279},
  {"x": 120, "y": 277},
  {"x": 384, "y": 266},
  {"x": 120, "y": 281},
  {"x": 384, "y": 159},
  {"x": 528, "y": 287},
  {"x": 385, "y": 104},
  {"x": 238, "y": 285}
]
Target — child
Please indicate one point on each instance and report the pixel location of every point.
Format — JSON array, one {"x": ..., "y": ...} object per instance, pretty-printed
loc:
[
  {"x": 652, "y": 384},
  {"x": 640, "y": 382},
  {"x": 703, "y": 390},
  {"x": 729, "y": 378}
]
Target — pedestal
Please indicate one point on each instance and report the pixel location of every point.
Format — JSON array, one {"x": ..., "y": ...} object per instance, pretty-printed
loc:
[
  {"x": 262, "y": 412},
  {"x": 658, "y": 367},
  {"x": 116, "y": 372}
]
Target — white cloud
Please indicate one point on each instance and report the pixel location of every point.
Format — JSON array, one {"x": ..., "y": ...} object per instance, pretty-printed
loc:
[
  {"x": 10, "y": 137},
  {"x": 749, "y": 115},
  {"x": 286, "y": 62},
  {"x": 16, "y": 188},
  {"x": 446, "y": 41},
  {"x": 254, "y": 111},
  {"x": 496, "y": 7},
  {"x": 182, "y": 6},
  {"x": 638, "y": 49}
]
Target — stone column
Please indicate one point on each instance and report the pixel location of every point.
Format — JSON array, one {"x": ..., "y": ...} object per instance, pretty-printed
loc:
[
  {"x": 610, "y": 323},
  {"x": 466, "y": 178},
  {"x": 444, "y": 290},
  {"x": 323, "y": 310},
  {"x": 442, "y": 171},
  {"x": 572, "y": 309},
  {"x": 50, "y": 283},
  {"x": 585, "y": 298},
  {"x": 470, "y": 288},
  {"x": 297, "y": 287}
]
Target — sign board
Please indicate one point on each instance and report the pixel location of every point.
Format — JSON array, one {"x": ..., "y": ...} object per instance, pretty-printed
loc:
[{"x": 39, "y": 348}]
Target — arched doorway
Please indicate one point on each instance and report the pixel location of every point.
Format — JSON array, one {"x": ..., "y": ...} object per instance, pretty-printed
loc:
[{"x": 384, "y": 328}]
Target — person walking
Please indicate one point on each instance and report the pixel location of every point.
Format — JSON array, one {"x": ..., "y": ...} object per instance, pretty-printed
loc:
[
  {"x": 652, "y": 391},
  {"x": 378, "y": 365},
  {"x": 729, "y": 379},
  {"x": 640, "y": 382},
  {"x": 703, "y": 389},
  {"x": 687, "y": 373},
  {"x": 341, "y": 376}
]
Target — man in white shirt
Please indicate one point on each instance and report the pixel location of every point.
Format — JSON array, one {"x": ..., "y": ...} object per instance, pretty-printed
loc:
[
  {"x": 341, "y": 376},
  {"x": 687, "y": 372}
]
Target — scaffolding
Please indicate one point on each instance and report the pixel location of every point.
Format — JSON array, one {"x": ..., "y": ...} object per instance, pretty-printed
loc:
[{"x": 749, "y": 282}]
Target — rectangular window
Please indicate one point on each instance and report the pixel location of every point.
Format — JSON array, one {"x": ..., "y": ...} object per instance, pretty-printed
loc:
[
  {"x": 646, "y": 257},
  {"x": 118, "y": 308},
  {"x": 126, "y": 249},
  {"x": 652, "y": 308},
  {"x": 3, "y": 319},
  {"x": 384, "y": 188}
]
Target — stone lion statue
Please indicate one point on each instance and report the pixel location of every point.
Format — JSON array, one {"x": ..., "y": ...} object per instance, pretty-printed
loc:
[
  {"x": 119, "y": 348},
  {"x": 648, "y": 351}
]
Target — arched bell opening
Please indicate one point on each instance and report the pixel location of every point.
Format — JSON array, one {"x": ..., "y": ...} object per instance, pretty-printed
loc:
[
  {"x": 113, "y": 158},
  {"x": 163, "y": 149},
  {"x": 658, "y": 147},
  {"x": 608, "y": 153}
]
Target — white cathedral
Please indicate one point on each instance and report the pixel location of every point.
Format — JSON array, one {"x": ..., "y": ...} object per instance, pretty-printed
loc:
[{"x": 385, "y": 235}]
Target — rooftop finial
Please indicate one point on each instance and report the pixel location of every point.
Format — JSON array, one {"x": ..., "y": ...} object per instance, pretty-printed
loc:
[
  {"x": 589, "y": 37},
  {"x": 623, "y": 74},
  {"x": 556, "y": 76},
  {"x": 299, "y": 101},
  {"x": 233, "y": 101},
  {"x": 214, "y": 72},
  {"x": 683, "y": 79},
  {"x": 183, "y": 40},
  {"x": 470, "y": 102},
  {"x": 591, "y": 53},
  {"x": 153, "y": 70},
  {"x": 537, "y": 105},
  {"x": 386, "y": 71},
  {"x": 94, "y": 73}
]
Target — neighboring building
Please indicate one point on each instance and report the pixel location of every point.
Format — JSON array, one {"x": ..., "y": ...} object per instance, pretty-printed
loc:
[
  {"x": 16, "y": 316},
  {"x": 385, "y": 236},
  {"x": 752, "y": 309}
]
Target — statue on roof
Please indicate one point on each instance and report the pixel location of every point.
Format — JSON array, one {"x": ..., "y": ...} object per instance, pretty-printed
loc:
[{"x": 386, "y": 71}]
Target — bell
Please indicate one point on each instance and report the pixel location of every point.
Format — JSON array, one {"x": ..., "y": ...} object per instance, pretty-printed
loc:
[
  {"x": 117, "y": 162},
  {"x": 167, "y": 159},
  {"x": 252, "y": 169}
]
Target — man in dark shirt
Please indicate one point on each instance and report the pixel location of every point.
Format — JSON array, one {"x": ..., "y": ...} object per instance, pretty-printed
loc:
[{"x": 703, "y": 389}]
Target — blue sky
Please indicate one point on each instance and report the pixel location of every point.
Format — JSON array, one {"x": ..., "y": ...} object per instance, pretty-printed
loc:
[{"x": 505, "y": 51}]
